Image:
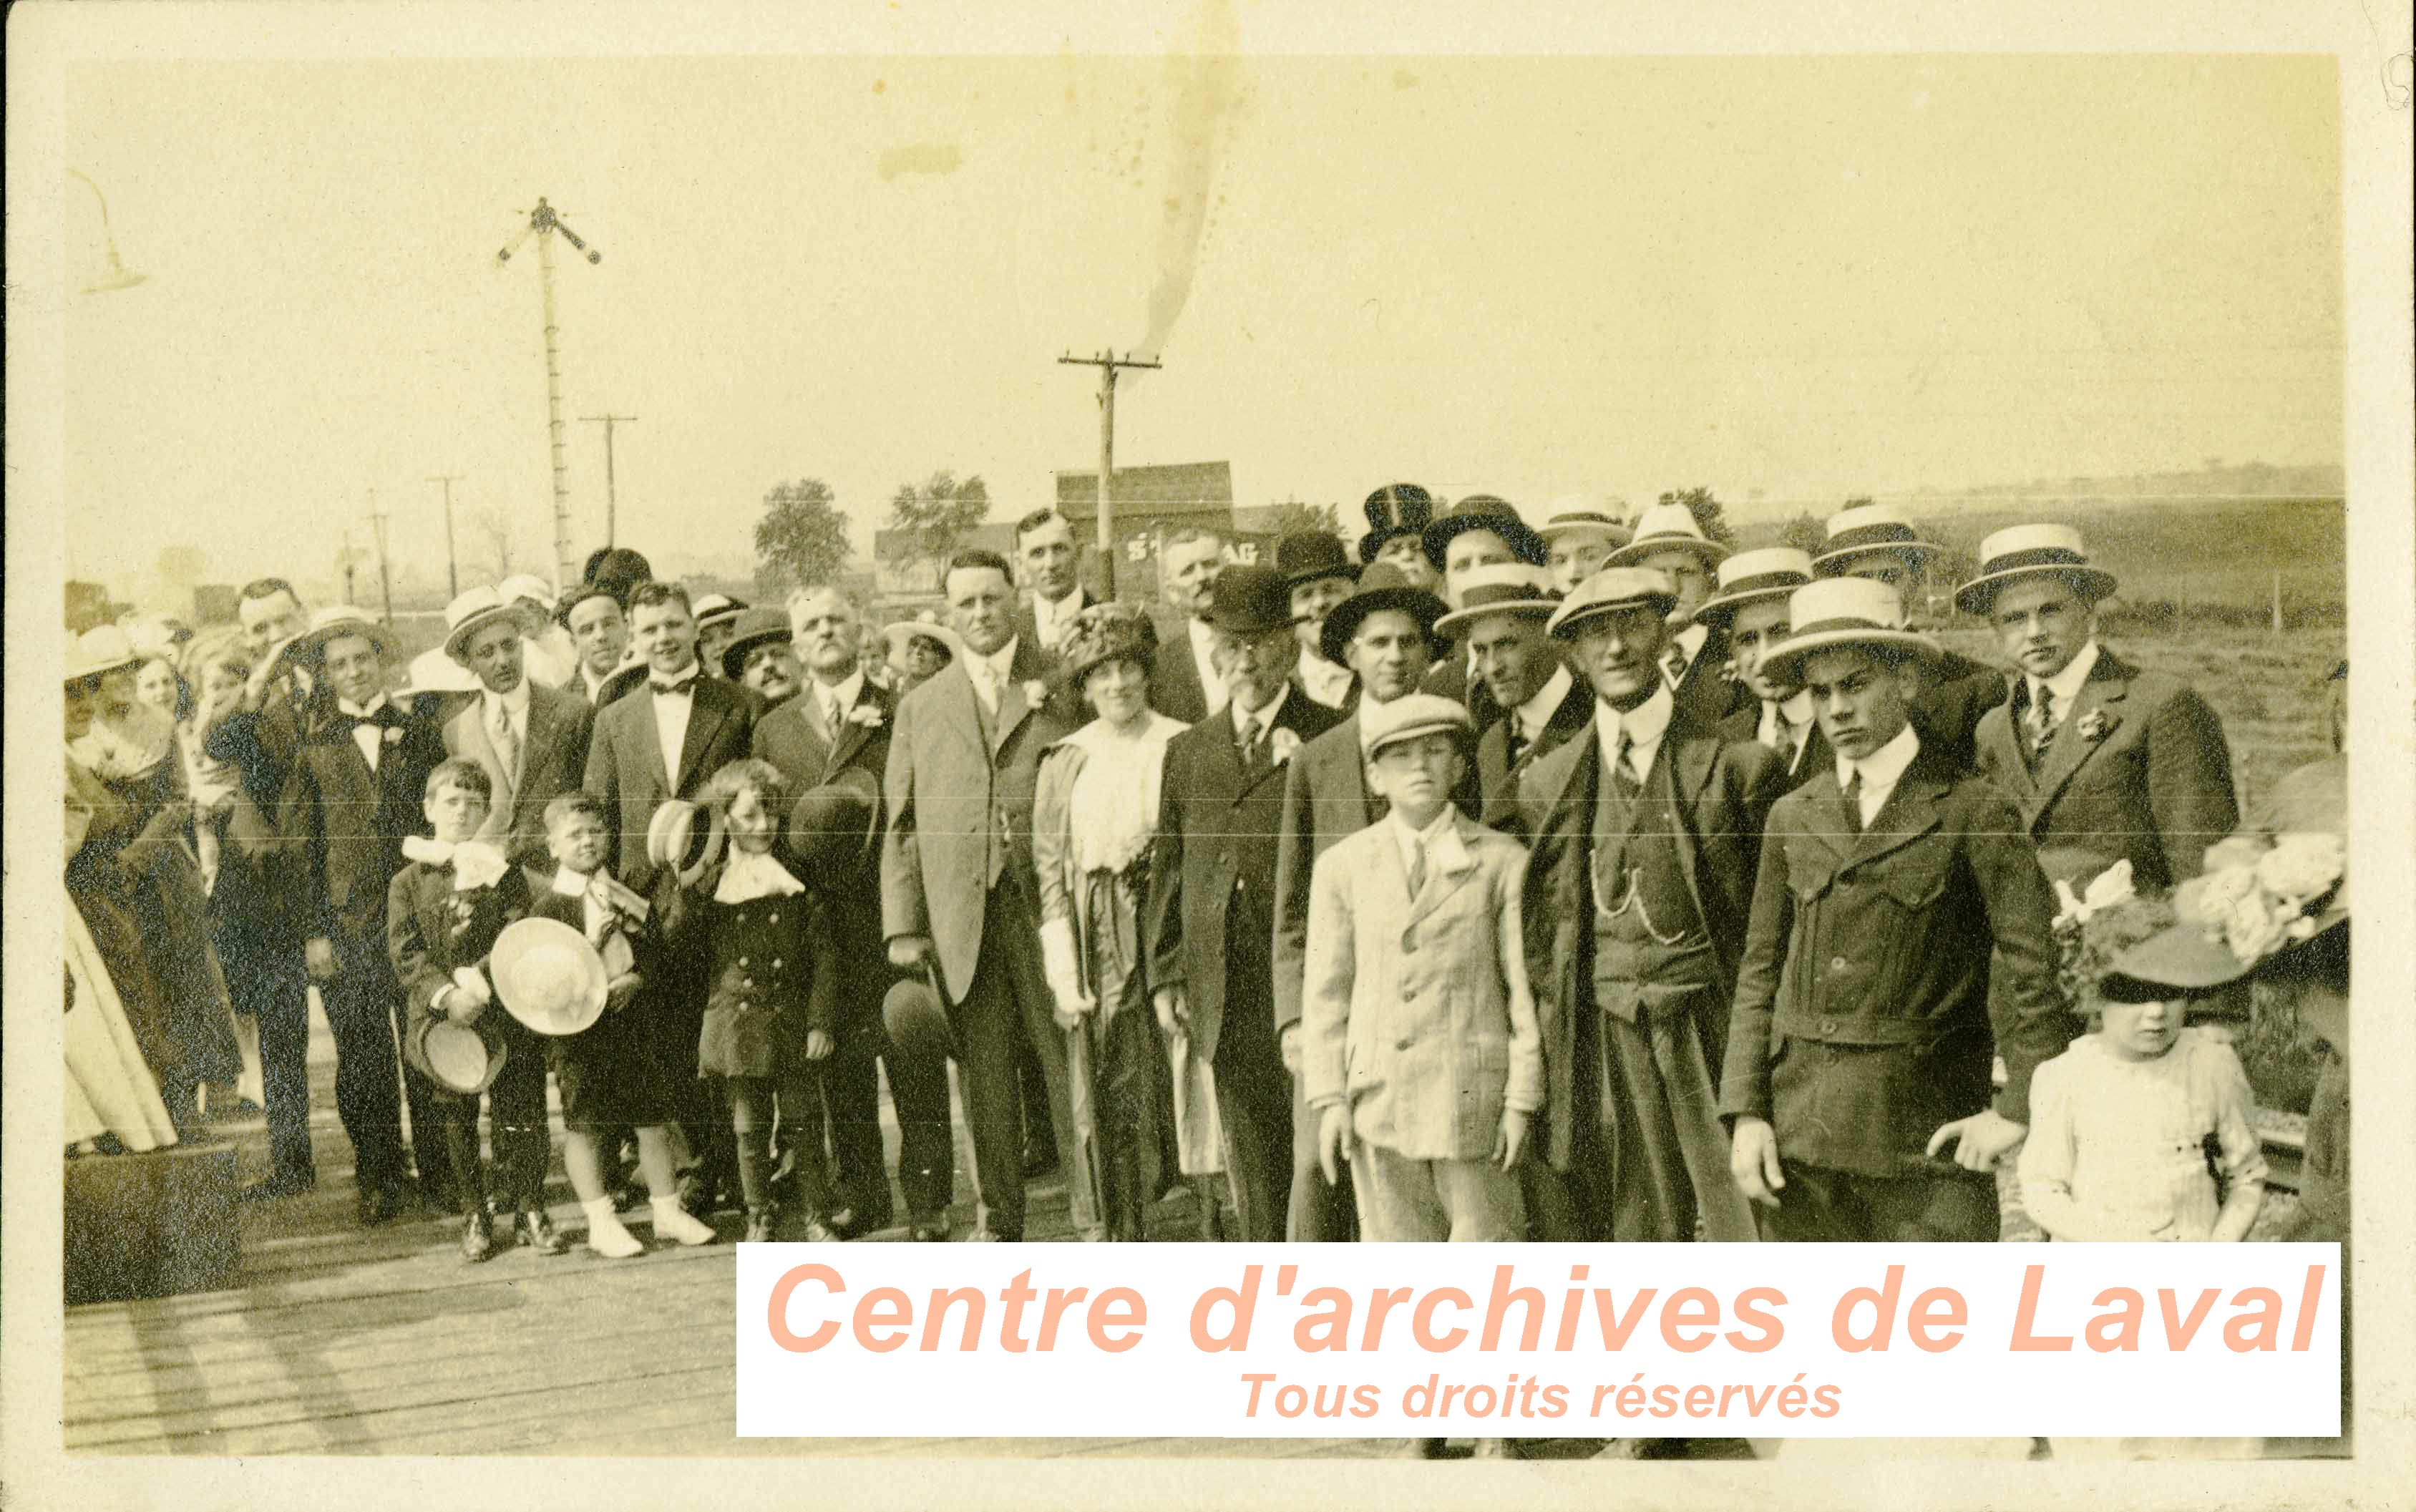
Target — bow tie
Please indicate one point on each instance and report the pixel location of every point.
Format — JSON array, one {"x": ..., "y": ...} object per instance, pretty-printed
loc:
[
  {"x": 684, "y": 683},
  {"x": 383, "y": 715},
  {"x": 475, "y": 863}
]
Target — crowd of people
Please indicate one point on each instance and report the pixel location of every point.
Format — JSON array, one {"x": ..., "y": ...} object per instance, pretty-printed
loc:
[{"x": 1585, "y": 880}]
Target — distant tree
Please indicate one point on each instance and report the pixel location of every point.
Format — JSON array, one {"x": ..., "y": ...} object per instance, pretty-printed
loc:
[
  {"x": 1294, "y": 517},
  {"x": 493, "y": 527},
  {"x": 1858, "y": 501},
  {"x": 938, "y": 514},
  {"x": 1710, "y": 514},
  {"x": 801, "y": 538},
  {"x": 1805, "y": 533}
]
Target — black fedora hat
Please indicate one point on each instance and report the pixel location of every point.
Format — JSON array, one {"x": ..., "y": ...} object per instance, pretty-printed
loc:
[
  {"x": 1395, "y": 509},
  {"x": 1382, "y": 586},
  {"x": 1249, "y": 600},
  {"x": 1311, "y": 555},
  {"x": 1483, "y": 511}
]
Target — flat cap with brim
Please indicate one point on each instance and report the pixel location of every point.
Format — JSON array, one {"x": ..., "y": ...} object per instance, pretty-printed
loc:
[
  {"x": 1772, "y": 572},
  {"x": 1382, "y": 586},
  {"x": 1866, "y": 529},
  {"x": 463, "y": 1058},
  {"x": 1307, "y": 556},
  {"x": 2019, "y": 552},
  {"x": 1499, "y": 588},
  {"x": 1578, "y": 514},
  {"x": 104, "y": 648},
  {"x": 899, "y": 633},
  {"x": 1249, "y": 600},
  {"x": 473, "y": 611},
  {"x": 1482, "y": 511},
  {"x": 1835, "y": 612},
  {"x": 755, "y": 627},
  {"x": 1394, "y": 510},
  {"x": 547, "y": 977},
  {"x": 1409, "y": 717},
  {"x": 339, "y": 620},
  {"x": 1611, "y": 589},
  {"x": 1666, "y": 527}
]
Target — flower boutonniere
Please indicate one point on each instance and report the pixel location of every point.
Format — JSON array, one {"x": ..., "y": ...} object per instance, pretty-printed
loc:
[
  {"x": 1281, "y": 743},
  {"x": 864, "y": 715},
  {"x": 2094, "y": 726},
  {"x": 394, "y": 734},
  {"x": 1035, "y": 692}
]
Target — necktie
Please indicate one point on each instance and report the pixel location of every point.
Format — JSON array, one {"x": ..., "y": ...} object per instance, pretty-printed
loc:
[
  {"x": 1417, "y": 865},
  {"x": 985, "y": 686},
  {"x": 499, "y": 734},
  {"x": 1515, "y": 741},
  {"x": 829, "y": 700},
  {"x": 1622, "y": 765},
  {"x": 1854, "y": 800},
  {"x": 1254, "y": 740},
  {"x": 2042, "y": 720}
]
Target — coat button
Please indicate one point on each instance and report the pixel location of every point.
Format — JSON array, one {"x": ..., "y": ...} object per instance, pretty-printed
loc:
[
  {"x": 1828, "y": 1026},
  {"x": 776, "y": 918},
  {"x": 776, "y": 963},
  {"x": 1836, "y": 964}
]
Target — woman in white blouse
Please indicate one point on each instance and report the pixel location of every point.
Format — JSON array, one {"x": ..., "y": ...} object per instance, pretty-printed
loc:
[{"x": 1094, "y": 819}]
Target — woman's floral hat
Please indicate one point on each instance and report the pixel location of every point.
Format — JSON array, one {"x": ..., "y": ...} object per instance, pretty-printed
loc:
[
  {"x": 1104, "y": 633},
  {"x": 2099, "y": 923},
  {"x": 2254, "y": 902}
]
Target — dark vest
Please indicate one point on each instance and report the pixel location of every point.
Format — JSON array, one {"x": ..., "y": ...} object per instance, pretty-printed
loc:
[{"x": 1646, "y": 928}]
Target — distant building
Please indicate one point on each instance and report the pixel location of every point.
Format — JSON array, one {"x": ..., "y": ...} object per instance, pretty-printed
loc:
[{"x": 1150, "y": 503}]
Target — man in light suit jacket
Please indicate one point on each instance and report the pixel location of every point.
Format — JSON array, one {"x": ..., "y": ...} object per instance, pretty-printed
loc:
[
  {"x": 957, "y": 891},
  {"x": 841, "y": 722},
  {"x": 531, "y": 739},
  {"x": 1210, "y": 920},
  {"x": 2107, "y": 762}
]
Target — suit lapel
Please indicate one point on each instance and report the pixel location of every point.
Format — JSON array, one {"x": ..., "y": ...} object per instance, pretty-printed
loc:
[
  {"x": 1910, "y": 813},
  {"x": 1450, "y": 862},
  {"x": 1998, "y": 737},
  {"x": 707, "y": 709},
  {"x": 2108, "y": 685},
  {"x": 850, "y": 736}
]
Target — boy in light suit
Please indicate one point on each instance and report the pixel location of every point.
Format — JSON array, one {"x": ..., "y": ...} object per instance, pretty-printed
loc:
[{"x": 1421, "y": 1050}]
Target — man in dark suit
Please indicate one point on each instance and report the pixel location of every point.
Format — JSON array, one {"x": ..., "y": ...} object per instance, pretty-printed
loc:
[
  {"x": 840, "y": 723},
  {"x": 1645, "y": 839},
  {"x": 1385, "y": 633},
  {"x": 1670, "y": 541},
  {"x": 1318, "y": 575},
  {"x": 532, "y": 740},
  {"x": 1500, "y": 621},
  {"x": 1751, "y": 609},
  {"x": 1209, "y": 923},
  {"x": 1479, "y": 530},
  {"x": 1052, "y": 568},
  {"x": 1183, "y": 681},
  {"x": 1901, "y": 943},
  {"x": 2106, "y": 761},
  {"x": 357, "y": 787},
  {"x": 1878, "y": 542},
  {"x": 957, "y": 891}
]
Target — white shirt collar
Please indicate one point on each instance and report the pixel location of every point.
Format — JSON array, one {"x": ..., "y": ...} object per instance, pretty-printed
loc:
[
  {"x": 2066, "y": 685},
  {"x": 1328, "y": 682},
  {"x": 753, "y": 874},
  {"x": 1203, "y": 642},
  {"x": 682, "y": 682},
  {"x": 1791, "y": 714},
  {"x": 1000, "y": 662},
  {"x": 1263, "y": 717},
  {"x": 515, "y": 703},
  {"x": 1691, "y": 638},
  {"x": 1411, "y": 841},
  {"x": 1645, "y": 725},
  {"x": 569, "y": 884},
  {"x": 1537, "y": 711},
  {"x": 1049, "y": 616},
  {"x": 1881, "y": 770},
  {"x": 847, "y": 690}
]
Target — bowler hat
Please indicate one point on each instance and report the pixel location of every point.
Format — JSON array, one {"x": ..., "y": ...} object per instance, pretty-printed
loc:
[
  {"x": 1663, "y": 527},
  {"x": 2020, "y": 551},
  {"x": 1865, "y": 529},
  {"x": 915, "y": 1015},
  {"x": 1248, "y": 599},
  {"x": 1482, "y": 511},
  {"x": 831, "y": 827},
  {"x": 755, "y": 626},
  {"x": 1380, "y": 587},
  {"x": 1844, "y": 611},
  {"x": 463, "y": 1058},
  {"x": 1500, "y": 587},
  {"x": 547, "y": 977},
  {"x": 1774, "y": 572},
  {"x": 1611, "y": 589},
  {"x": 1313, "y": 554},
  {"x": 1395, "y": 509}
]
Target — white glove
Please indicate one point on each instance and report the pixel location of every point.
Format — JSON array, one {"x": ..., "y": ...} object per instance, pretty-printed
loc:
[
  {"x": 1057, "y": 960},
  {"x": 473, "y": 981}
]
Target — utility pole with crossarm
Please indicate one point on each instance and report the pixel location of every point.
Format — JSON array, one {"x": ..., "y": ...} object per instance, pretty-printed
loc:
[
  {"x": 1107, "y": 362},
  {"x": 543, "y": 222}
]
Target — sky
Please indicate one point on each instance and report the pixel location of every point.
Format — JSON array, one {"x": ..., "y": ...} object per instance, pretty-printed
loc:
[{"x": 1801, "y": 277}]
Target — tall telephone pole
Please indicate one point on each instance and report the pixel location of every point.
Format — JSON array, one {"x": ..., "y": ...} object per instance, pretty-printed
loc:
[
  {"x": 348, "y": 562},
  {"x": 385, "y": 578},
  {"x": 452, "y": 568},
  {"x": 1107, "y": 362},
  {"x": 611, "y": 496},
  {"x": 543, "y": 222}
]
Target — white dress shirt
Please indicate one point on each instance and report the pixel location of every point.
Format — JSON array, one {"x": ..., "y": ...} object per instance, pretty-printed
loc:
[
  {"x": 1645, "y": 724},
  {"x": 1261, "y": 720},
  {"x": 1048, "y": 620},
  {"x": 1790, "y": 717},
  {"x": 1882, "y": 769},
  {"x": 990, "y": 673},
  {"x": 513, "y": 708},
  {"x": 832, "y": 702},
  {"x": 2066, "y": 685},
  {"x": 1537, "y": 712},
  {"x": 1690, "y": 644},
  {"x": 1202, "y": 640},
  {"x": 1324, "y": 681},
  {"x": 672, "y": 711},
  {"x": 370, "y": 738},
  {"x": 1417, "y": 842}
]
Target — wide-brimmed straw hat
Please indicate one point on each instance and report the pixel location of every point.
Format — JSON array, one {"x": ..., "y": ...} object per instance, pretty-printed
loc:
[
  {"x": 2238, "y": 920},
  {"x": 899, "y": 632},
  {"x": 1845, "y": 612},
  {"x": 718, "y": 609},
  {"x": 1865, "y": 529},
  {"x": 1382, "y": 586},
  {"x": 1482, "y": 511},
  {"x": 472, "y": 611},
  {"x": 1584, "y": 514},
  {"x": 547, "y": 977},
  {"x": 1663, "y": 527},
  {"x": 1772, "y": 572},
  {"x": 1609, "y": 589},
  {"x": 104, "y": 648},
  {"x": 1500, "y": 587},
  {"x": 2021, "y": 552},
  {"x": 463, "y": 1058}
]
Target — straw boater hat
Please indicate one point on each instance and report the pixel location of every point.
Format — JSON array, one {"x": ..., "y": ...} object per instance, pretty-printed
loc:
[
  {"x": 901, "y": 631},
  {"x": 718, "y": 609},
  {"x": 338, "y": 620},
  {"x": 1840, "y": 611},
  {"x": 1382, "y": 586},
  {"x": 1248, "y": 599},
  {"x": 1311, "y": 555},
  {"x": 755, "y": 626},
  {"x": 2253, "y": 916},
  {"x": 473, "y": 610},
  {"x": 1482, "y": 511},
  {"x": 1104, "y": 633},
  {"x": 1411, "y": 716},
  {"x": 1574, "y": 514},
  {"x": 463, "y": 1058},
  {"x": 1662, "y": 527},
  {"x": 1395, "y": 509},
  {"x": 547, "y": 977},
  {"x": 1500, "y": 588},
  {"x": 1773, "y": 572},
  {"x": 1866, "y": 529},
  {"x": 2021, "y": 552},
  {"x": 104, "y": 648},
  {"x": 1612, "y": 588}
]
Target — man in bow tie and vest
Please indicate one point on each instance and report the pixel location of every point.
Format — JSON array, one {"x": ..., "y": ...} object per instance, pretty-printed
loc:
[
  {"x": 1501, "y": 620},
  {"x": 1750, "y": 610},
  {"x": 840, "y": 721},
  {"x": 531, "y": 739},
  {"x": 958, "y": 895},
  {"x": 1209, "y": 924},
  {"x": 356, "y": 789},
  {"x": 662, "y": 739},
  {"x": 1901, "y": 943},
  {"x": 1694, "y": 662},
  {"x": 1645, "y": 829},
  {"x": 1878, "y": 542},
  {"x": 2107, "y": 760}
]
